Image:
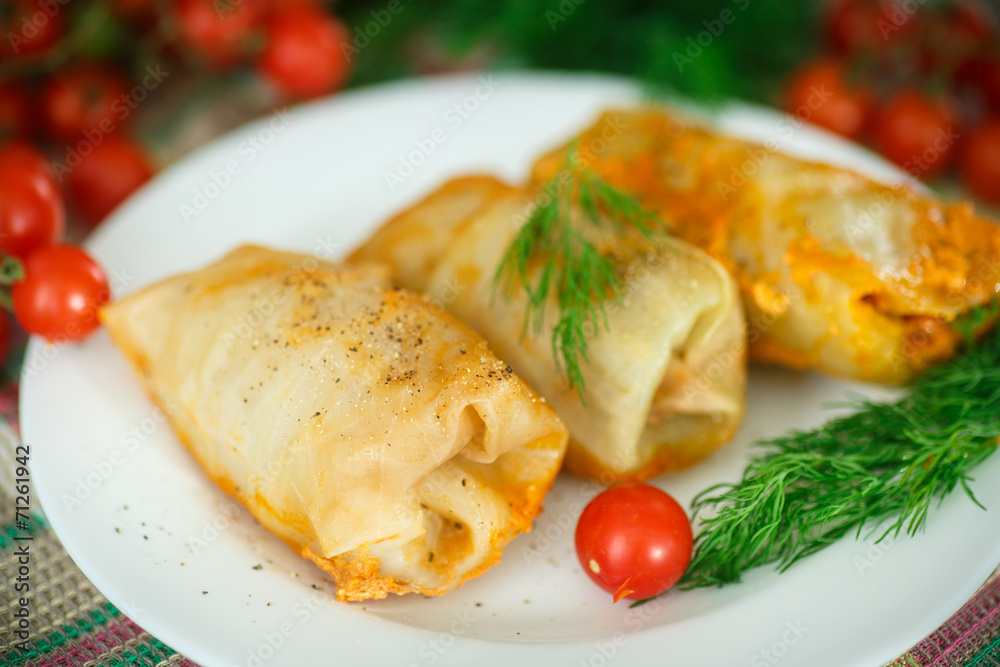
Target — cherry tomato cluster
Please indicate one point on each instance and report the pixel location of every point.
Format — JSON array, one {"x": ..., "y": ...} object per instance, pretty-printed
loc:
[
  {"x": 67, "y": 114},
  {"x": 56, "y": 288},
  {"x": 296, "y": 45},
  {"x": 918, "y": 81}
]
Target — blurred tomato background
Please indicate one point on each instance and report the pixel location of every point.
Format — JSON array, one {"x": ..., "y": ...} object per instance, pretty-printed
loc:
[{"x": 96, "y": 97}]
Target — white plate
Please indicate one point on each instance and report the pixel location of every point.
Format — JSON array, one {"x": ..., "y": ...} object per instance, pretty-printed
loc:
[{"x": 169, "y": 549}]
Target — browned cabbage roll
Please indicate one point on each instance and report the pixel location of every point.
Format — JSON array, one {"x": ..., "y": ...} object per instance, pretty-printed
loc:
[
  {"x": 665, "y": 379},
  {"x": 837, "y": 272},
  {"x": 372, "y": 432}
]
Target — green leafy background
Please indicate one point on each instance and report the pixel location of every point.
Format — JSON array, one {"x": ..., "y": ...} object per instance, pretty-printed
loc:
[{"x": 748, "y": 58}]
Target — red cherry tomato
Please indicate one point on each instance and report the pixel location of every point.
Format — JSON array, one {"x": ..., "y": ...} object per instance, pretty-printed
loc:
[
  {"x": 6, "y": 335},
  {"x": 30, "y": 27},
  {"x": 136, "y": 10},
  {"x": 955, "y": 32},
  {"x": 62, "y": 290},
  {"x": 113, "y": 170},
  {"x": 16, "y": 118},
  {"x": 304, "y": 55},
  {"x": 917, "y": 133},
  {"x": 981, "y": 76},
  {"x": 219, "y": 31},
  {"x": 981, "y": 161},
  {"x": 634, "y": 541},
  {"x": 32, "y": 213},
  {"x": 970, "y": 24},
  {"x": 819, "y": 92},
  {"x": 87, "y": 100},
  {"x": 274, "y": 6},
  {"x": 869, "y": 26}
]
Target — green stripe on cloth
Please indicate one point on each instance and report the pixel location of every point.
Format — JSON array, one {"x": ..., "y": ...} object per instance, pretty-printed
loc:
[
  {"x": 989, "y": 656},
  {"x": 69, "y": 632},
  {"x": 34, "y": 525},
  {"x": 145, "y": 655},
  {"x": 146, "y": 651}
]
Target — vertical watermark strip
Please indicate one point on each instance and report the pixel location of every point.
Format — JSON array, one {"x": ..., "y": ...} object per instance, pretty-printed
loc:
[{"x": 21, "y": 623}]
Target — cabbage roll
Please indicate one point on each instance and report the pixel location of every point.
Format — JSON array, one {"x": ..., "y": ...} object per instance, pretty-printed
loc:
[
  {"x": 837, "y": 272},
  {"x": 372, "y": 432},
  {"x": 664, "y": 380}
]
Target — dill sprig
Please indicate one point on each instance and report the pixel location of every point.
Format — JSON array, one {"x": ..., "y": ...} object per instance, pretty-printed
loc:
[
  {"x": 883, "y": 467},
  {"x": 975, "y": 321},
  {"x": 552, "y": 253}
]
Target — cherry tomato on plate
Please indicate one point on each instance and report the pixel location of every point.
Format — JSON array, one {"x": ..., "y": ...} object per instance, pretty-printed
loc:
[
  {"x": 981, "y": 161},
  {"x": 305, "y": 54},
  {"x": 917, "y": 133},
  {"x": 85, "y": 98},
  {"x": 634, "y": 541},
  {"x": 113, "y": 170},
  {"x": 60, "y": 294},
  {"x": 32, "y": 213},
  {"x": 820, "y": 93}
]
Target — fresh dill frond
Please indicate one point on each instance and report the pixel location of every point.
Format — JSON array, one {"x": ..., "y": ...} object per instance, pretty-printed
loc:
[
  {"x": 973, "y": 322},
  {"x": 551, "y": 254},
  {"x": 881, "y": 468}
]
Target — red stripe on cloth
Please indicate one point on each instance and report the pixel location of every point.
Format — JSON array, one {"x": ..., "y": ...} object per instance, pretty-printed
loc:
[{"x": 965, "y": 634}]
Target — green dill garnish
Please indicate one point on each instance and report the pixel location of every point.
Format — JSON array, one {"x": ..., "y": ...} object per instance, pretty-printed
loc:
[
  {"x": 552, "y": 253},
  {"x": 973, "y": 322},
  {"x": 883, "y": 467}
]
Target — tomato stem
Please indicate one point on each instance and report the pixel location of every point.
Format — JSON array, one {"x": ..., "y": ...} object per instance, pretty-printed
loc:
[
  {"x": 11, "y": 270},
  {"x": 623, "y": 591}
]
